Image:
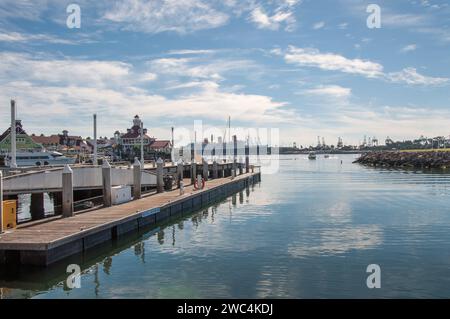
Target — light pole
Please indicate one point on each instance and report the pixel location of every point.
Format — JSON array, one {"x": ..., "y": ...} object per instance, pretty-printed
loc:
[
  {"x": 95, "y": 161},
  {"x": 13, "y": 163},
  {"x": 142, "y": 143}
]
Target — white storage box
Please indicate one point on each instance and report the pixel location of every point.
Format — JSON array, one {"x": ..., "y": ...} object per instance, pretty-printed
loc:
[{"x": 120, "y": 194}]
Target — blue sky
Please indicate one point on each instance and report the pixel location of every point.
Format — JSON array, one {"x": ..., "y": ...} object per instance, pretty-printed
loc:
[{"x": 309, "y": 68}]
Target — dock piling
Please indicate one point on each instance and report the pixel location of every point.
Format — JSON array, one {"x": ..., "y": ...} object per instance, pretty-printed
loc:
[
  {"x": 241, "y": 166},
  {"x": 247, "y": 164},
  {"x": 136, "y": 179},
  {"x": 205, "y": 169},
  {"x": 67, "y": 191},
  {"x": 193, "y": 171},
  {"x": 223, "y": 174},
  {"x": 159, "y": 175},
  {"x": 107, "y": 184},
  {"x": 215, "y": 170},
  {"x": 180, "y": 169}
]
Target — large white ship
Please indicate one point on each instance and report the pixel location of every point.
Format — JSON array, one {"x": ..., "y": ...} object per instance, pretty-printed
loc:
[{"x": 39, "y": 159}]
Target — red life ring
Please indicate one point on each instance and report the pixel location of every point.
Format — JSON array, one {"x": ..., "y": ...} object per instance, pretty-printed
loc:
[{"x": 196, "y": 184}]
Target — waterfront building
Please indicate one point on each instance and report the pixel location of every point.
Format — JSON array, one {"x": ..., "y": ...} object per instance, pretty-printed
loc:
[
  {"x": 128, "y": 145},
  {"x": 162, "y": 146},
  {"x": 64, "y": 143},
  {"x": 23, "y": 141}
]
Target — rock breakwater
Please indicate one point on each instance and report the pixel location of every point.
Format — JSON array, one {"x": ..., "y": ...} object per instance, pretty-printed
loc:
[{"x": 418, "y": 159}]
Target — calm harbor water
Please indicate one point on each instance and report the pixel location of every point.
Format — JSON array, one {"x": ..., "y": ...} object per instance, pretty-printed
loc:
[{"x": 308, "y": 232}]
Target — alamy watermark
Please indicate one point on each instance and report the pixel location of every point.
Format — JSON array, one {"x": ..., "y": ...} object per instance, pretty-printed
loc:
[
  {"x": 374, "y": 279},
  {"x": 216, "y": 144},
  {"x": 74, "y": 19},
  {"x": 74, "y": 279},
  {"x": 374, "y": 19}
]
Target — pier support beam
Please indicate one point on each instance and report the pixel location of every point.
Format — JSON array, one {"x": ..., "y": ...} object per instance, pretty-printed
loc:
[
  {"x": 57, "y": 202},
  {"x": 193, "y": 171},
  {"x": 247, "y": 164},
  {"x": 205, "y": 169},
  {"x": 215, "y": 171},
  {"x": 67, "y": 192},
  {"x": 136, "y": 179},
  {"x": 159, "y": 175},
  {"x": 37, "y": 209},
  {"x": 107, "y": 183},
  {"x": 1, "y": 202},
  {"x": 180, "y": 172},
  {"x": 241, "y": 166}
]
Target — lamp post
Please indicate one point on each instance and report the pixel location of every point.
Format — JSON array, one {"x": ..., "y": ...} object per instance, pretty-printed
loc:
[
  {"x": 13, "y": 163},
  {"x": 142, "y": 144},
  {"x": 95, "y": 160}
]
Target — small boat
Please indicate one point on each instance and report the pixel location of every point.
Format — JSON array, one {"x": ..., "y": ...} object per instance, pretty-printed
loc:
[
  {"x": 312, "y": 155},
  {"x": 40, "y": 159},
  {"x": 326, "y": 156}
]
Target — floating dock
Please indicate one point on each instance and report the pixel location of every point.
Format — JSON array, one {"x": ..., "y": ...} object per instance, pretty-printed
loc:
[{"x": 45, "y": 243}]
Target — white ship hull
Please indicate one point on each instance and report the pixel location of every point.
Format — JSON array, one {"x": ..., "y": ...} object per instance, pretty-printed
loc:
[{"x": 40, "y": 159}]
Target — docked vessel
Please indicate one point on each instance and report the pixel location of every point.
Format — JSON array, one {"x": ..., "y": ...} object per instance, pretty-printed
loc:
[
  {"x": 312, "y": 155},
  {"x": 39, "y": 159}
]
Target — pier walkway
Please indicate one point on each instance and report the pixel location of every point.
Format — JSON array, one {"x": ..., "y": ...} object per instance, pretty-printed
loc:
[{"x": 46, "y": 243}]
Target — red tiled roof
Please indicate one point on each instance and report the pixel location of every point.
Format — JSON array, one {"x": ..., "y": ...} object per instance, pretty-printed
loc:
[
  {"x": 160, "y": 144},
  {"x": 52, "y": 139}
]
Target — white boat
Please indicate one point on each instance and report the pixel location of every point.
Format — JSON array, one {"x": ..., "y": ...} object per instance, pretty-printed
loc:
[
  {"x": 312, "y": 155},
  {"x": 40, "y": 159}
]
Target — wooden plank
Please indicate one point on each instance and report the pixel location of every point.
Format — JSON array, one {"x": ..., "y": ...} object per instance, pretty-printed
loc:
[{"x": 59, "y": 232}]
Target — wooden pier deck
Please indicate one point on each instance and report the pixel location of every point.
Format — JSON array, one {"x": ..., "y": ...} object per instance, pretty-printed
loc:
[{"x": 45, "y": 243}]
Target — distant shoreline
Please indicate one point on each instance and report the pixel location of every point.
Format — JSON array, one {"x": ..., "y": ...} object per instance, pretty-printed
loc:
[
  {"x": 321, "y": 152},
  {"x": 407, "y": 159}
]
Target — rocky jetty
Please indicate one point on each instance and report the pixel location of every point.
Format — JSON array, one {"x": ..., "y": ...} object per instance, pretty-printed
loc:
[{"x": 418, "y": 159}]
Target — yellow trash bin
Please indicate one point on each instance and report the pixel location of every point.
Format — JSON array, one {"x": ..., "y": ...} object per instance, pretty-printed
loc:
[{"x": 9, "y": 214}]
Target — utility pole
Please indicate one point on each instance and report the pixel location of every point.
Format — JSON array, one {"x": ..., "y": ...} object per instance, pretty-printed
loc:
[
  {"x": 95, "y": 160},
  {"x": 229, "y": 128},
  {"x": 13, "y": 163},
  {"x": 173, "y": 146},
  {"x": 142, "y": 143}
]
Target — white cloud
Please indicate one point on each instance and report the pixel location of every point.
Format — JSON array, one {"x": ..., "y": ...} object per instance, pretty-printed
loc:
[
  {"x": 264, "y": 21},
  {"x": 343, "y": 26},
  {"x": 168, "y": 15},
  {"x": 333, "y": 62},
  {"x": 53, "y": 93},
  {"x": 403, "y": 20},
  {"x": 148, "y": 77},
  {"x": 335, "y": 91},
  {"x": 190, "y": 52},
  {"x": 318, "y": 25},
  {"x": 197, "y": 68},
  {"x": 63, "y": 72},
  {"x": 6, "y": 36},
  {"x": 409, "y": 48},
  {"x": 194, "y": 84},
  {"x": 410, "y": 76},
  {"x": 276, "y": 51}
]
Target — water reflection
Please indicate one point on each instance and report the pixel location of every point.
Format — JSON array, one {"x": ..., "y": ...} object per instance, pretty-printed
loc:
[
  {"x": 309, "y": 232},
  {"x": 337, "y": 241}
]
